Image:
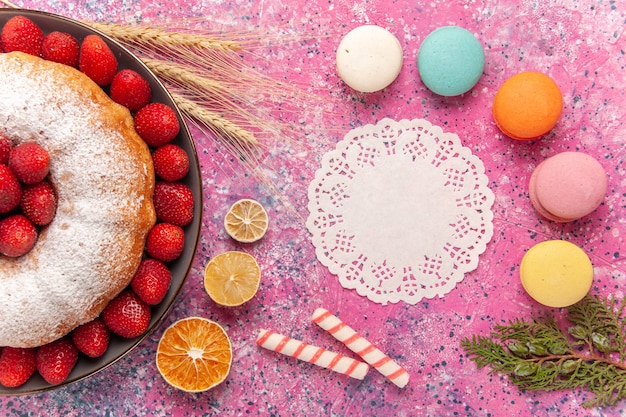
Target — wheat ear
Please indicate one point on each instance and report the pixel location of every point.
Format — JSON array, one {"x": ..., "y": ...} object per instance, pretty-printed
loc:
[
  {"x": 164, "y": 38},
  {"x": 202, "y": 88},
  {"x": 177, "y": 74},
  {"x": 213, "y": 120}
]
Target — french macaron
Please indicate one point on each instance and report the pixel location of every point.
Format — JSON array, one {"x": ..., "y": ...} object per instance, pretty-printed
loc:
[
  {"x": 369, "y": 58},
  {"x": 556, "y": 273},
  {"x": 567, "y": 186},
  {"x": 450, "y": 61},
  {"x": 527, "y": 105}
]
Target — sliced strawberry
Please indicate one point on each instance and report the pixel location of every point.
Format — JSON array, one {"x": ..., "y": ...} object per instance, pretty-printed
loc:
[
  {"x": 61, "y": 47},
  {"x": 39, "y": 203},
  {"x": 56, "y": 360},
  {"x": 151, "y": 281},
  {"x": 130, "y": 89},
  {"x": 10, "y": 189},
  {"x": 22, "y": 34},
  {"x": 5, "y": 149},
  {"x": 127, "y": 315},
  {"x": 97, "y": 60},
  {"x": 171, "y": 162},
  {"x": 165, "y": 242},
  {"x": 17, "y": 365},
  {"x": 157, "y": 124},
  {"x": 173, "y": 203},
  {"x": 18, "y": 235},
  {"x": 30, "y": 162},
  {"x": 92, "y": 338}
]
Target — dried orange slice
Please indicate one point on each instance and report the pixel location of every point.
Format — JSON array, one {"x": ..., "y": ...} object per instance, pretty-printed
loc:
[
  {"x": 232, "y": 278},
  {"x": 194, "y": 354},
  {"x": 246, "y": 221}
]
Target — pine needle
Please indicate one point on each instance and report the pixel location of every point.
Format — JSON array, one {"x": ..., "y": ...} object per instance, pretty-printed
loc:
[{"x": 538, "y": 355}]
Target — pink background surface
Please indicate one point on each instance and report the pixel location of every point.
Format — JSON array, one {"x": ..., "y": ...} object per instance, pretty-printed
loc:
[{"x": 579, "y": 43}]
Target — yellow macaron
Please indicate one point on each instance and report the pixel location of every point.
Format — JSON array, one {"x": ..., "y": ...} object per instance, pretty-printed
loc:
[
  {"x": 556, "y": 273},
  {"x": 527, "y": 105}
]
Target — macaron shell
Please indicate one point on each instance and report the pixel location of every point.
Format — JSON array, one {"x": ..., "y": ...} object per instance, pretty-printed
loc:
[
  {"x": 535, "y": 201},
  {"x": 369, "y": 58},
  {"x": 568, "y": 186},
  {"x": 527, "y": 105},
  {"x": 556, "y": 273},
  {"x": 450, "y": 61}
]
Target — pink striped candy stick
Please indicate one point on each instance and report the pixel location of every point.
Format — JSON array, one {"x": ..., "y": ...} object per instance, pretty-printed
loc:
[
  {"x": 312, "y": 354},
  {"x": 359, "y": 345}
]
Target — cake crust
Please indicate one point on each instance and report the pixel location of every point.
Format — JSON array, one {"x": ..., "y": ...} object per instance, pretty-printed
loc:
[{"x": 104, "y": 179}]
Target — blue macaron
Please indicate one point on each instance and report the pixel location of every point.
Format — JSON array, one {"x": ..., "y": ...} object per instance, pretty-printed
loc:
[{"x": 450, "y": 61}]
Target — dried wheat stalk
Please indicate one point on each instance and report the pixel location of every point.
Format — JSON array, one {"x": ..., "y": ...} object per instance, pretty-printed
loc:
[
  {"x": 160, "y": 38},
  {"x": 9, "y": 4},
  {"x": 218, "y": 96},
  {"x": 176, "y": 73},
  {"x": 214, "y": 120},
  {"x": 211, "y": 86},
  {"x": 204, "y": 73}
]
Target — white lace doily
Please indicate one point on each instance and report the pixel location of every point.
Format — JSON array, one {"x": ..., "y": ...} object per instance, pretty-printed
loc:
[{"x": 400, "y": 211}]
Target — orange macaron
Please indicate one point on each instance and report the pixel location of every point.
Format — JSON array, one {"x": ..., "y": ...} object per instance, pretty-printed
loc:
[{"x": 527, "y": 105}]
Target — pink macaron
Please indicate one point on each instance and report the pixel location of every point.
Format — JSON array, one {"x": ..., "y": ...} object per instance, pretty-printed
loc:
[{"x": 567, "y": 186}]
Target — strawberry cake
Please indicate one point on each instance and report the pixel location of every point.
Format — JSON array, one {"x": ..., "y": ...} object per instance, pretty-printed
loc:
[{"x": 103, "y": 175}]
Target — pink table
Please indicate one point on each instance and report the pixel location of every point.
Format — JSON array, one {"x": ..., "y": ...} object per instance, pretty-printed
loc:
[{"x": 579, "y": 43}]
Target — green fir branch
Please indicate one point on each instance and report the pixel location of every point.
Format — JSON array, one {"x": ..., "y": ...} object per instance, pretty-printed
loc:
[
  {"x": 596, "y": 318},
  {"x": 539, "y": 355}
]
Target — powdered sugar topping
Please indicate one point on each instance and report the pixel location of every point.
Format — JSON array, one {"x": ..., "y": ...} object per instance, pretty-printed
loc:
[{"x": 67, "y": 273}]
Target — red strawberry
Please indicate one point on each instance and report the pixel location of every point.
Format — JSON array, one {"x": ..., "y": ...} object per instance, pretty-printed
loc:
[
  {"x": 127, "y": 315},
  {"x": 61, "y": 47},
  {"x": 29, "y": 162},
  {"x": 39, "y": 203},
  {"x": 18, "y": 235},
  {"x": 130, "y": 89},
  {"x": 92, "y": 338},
  {"x": 21, "y": 34},
  {"x": 151, "y": 281},
  {"x": 97, "y": 60},
  {"x": 165, "y": 242},
  {"x": 5, "y": 149},
  {"x": 157, "y": 124},
  {"x": 17, "y": 365},
  {"x": 171, "y": 162},
  {"x": 173, "y": 203},
  {"x": 10, "y": 190},
  {"x": 56, "y": 360}
]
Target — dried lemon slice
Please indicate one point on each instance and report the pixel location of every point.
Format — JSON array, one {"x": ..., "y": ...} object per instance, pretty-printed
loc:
[
  {"x": 246, "y": 221},
  {"x": 194, "y": 354},
  {"x": 232, "y": 278}
]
